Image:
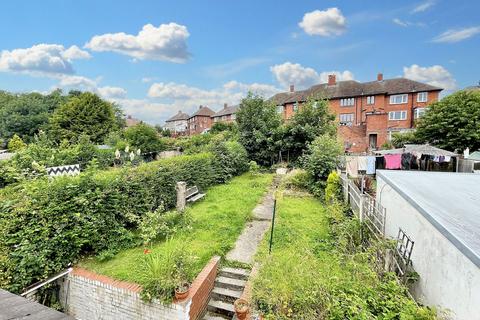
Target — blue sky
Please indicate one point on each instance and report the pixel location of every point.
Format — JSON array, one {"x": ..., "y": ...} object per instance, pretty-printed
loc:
[{"x": 157, "y": 57}]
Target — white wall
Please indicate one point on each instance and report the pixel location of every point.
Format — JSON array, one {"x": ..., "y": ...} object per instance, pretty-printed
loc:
[
  {"x": 88, "y": 299},
  {"x": 448, "y": 279}
]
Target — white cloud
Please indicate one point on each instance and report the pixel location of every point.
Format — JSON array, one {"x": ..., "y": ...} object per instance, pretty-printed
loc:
[
  {"x": 435, "y": 75},
  {"x": 400, "y": 22},
  {"x": 326, "y": 23},
  {"x": 112, "y": 92},
  {"x": 73, "y": 82},
  {"x": 41, "y": 59},
  {"x": 423, "y": 6},
  {"x": 147, "y": 79},
  {"x": 456, "y": 35},
  {"x": 303, "y": 77},
  {"x": 166, "y": 42}
]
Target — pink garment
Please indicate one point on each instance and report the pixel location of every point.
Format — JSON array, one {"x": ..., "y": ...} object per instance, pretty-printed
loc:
[{"x": 393, "y": 161}]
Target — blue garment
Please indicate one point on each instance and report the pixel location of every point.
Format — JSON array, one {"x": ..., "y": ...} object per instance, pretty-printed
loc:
[{"x": 371, "y": 164}]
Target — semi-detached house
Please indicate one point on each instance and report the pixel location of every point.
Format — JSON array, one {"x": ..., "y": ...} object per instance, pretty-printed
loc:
[{"x": 369, "y": 112}]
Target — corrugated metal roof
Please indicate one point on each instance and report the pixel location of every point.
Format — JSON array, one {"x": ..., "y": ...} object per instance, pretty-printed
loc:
[{"x": 449, "y": 201}]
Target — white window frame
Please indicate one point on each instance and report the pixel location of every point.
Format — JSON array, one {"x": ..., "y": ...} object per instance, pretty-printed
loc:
[
  {"x": 347, "y": 102},
  {"x": 279, "y": 109},
  {"x": 424, "y": 96},
  {"x": 419, "y": 112},
  {"x": 370, "y": 99},
  {"x": 295, "y": 107},
  {"x": 392, "y": 115},
  {"x": 233, "y": 116},
  {"x": 351, "y": 117},
  {"x": 403, "y": 101}
]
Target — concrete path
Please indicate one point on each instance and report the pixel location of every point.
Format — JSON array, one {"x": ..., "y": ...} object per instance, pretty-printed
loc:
[{"x": 246, "y": 245}]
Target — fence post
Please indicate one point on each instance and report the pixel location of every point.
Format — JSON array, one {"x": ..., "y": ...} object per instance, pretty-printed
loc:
[
  {"x": 345, "y": 190},
  {"x": 361, "y": 205},
  {"x": 181, "y": 188}
]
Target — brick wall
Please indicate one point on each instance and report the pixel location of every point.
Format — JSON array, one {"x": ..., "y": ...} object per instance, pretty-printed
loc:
[
  {"x": 87, "y": 295},
  {"x": 201, "y": 288}
]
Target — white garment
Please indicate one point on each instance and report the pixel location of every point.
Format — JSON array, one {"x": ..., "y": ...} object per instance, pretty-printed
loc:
[{"x": 362, "y": 163}]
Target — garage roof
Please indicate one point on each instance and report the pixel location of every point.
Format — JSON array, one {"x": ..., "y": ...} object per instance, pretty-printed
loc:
[{"x": 449, "y": 201}]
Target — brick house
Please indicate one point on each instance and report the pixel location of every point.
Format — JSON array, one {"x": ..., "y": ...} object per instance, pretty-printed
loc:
[
  {"x": 200, "y": 121},
  {"x": 131, "y": 121},
  {"x": 178, "y": 124},
  {"x": 227, "y": 114},
  {"x": 368, "y": 112}
]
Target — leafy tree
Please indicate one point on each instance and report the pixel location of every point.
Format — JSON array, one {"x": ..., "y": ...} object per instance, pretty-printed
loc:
[
  {"x": 310, "y": 121},
  {"x": 399, "y": 139},
  {"x": 321, "y": 159},
  {"x": 16, "y": 143},
  {"x": 144, "y": 137},
  {"x": 84, "y": 113},
  {"x": 257, "y": 122},
  {"x": 452, "y": 123},
  {"x": 26, "y": 114}
]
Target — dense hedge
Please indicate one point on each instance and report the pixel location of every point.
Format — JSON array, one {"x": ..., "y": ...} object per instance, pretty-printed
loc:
[{"x": 46, "y": 224}]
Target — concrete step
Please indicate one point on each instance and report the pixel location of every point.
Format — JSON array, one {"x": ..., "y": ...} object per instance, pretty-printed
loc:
[
  {"x": 235, "y": 273},
  {"x": 220, "y": 307},
  {"x": 226, "y": 295},
  {"x": 215, "y": 316},
  {"x": 229, "y": 283}
]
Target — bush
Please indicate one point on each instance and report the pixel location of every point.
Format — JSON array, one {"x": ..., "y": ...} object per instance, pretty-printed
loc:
[
  {"x": 160, "y": 224},
  {"x": 16, "y": 144},
  {"x": 144, "y": 137},
  {"x": 333, "y": 190},
  {"x": 320, "y": 160},
  {"x": 48, "y": 224},
  {"x": 297, "y": 180}
]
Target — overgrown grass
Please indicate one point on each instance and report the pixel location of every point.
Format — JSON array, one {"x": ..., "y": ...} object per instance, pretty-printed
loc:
[
  {"x": 308, "y": 277},
  {"x": 217, "y": 221}
]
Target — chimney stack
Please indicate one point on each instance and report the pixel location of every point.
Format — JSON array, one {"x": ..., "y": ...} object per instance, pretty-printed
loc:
[
  {"x": 225, "y": 105},
  {"x": 129, "y": 117},
  {"x": 380, "y": 77},
  {"x": 199, "y": 107},
  {"x": 332, "y": 80},
  {"x": 292, "y": 88}
]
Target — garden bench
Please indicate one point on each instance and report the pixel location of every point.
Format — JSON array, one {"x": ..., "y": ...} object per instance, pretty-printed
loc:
[{"x": 192, "y": 194}]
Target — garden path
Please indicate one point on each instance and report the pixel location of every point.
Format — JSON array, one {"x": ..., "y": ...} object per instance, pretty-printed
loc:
[{"x": 247, "y": 243}]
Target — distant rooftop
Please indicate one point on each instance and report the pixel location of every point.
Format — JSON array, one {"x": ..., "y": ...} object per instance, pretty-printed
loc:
[
  {"x": 449, "y": 201},
  {"x": 203, "y": 111},
  {"x": 131, "y": 121},
  {"x": 179, "y": 116},
  {"x": 226, "y": 111}
]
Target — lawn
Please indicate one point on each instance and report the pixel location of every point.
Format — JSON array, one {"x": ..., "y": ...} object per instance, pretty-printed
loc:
[
  {"x": 307, "y": 276},
  {"x": 216, "y": 222}
]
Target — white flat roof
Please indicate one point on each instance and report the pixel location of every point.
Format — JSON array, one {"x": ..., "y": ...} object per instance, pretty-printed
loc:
[{"x": 449, "y": 201}]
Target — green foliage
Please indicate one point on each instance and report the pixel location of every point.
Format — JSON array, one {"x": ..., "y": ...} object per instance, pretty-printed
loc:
[
  {"x": 400, "y": 139},
  {"x": 194, "y": 144},
  {"x": 313, "y": 119},
  {"x": 453, "y": 122},
  {"x": 333, "y": 190},
  {"x": 231, "y": 157},
  {"x": 47, "y": 224},
  {"x": 253, "y": 167},
  {"x": 222, "y": 126},
  {"x": 257, "y": 122},
  {"x": 83, "y": 114},
  {"x": 297, "y": 180},
  {"x": 165, "y": 271},
  {"x": 312, "y": 272},
  {"x": 16, "y": 144},
  {"x": 25, "y": 114},
  {"x": 159, "y": 224},
  {"x": 144, "y": 137},
  {"x": 321, "y": 159}
]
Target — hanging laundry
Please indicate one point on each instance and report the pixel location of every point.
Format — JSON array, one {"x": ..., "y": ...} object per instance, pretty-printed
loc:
[
  {"x": 406, "y": 160},
  {"x": 371, "y": 162},
  {"x": 436, "y": 159},
  {"x": 414, "y": 163},
  {"x": 352, "y": 166},
  {"x": 447, "y": 158},
  {"x": 362, "y": 163},
  {"x": 393, "y": 161},
  {"x": 379, "y": 163}
]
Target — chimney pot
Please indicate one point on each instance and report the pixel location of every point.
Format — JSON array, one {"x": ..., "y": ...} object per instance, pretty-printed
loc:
[
  {"x": 199, "y": 107},
  {"x": 332, "y": 80},
  {"x": 380, "y": 77},
  {"x": 225, "y": 105},
  {"x": 292, "y": 88}
]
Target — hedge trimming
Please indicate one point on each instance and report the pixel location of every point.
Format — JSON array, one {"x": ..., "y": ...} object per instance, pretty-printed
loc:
[{"x": 46, "y": 224}]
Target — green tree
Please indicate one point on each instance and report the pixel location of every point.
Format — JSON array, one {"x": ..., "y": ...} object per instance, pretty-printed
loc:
[
  {"x": 257, "y": 122},
  {"x": 320, "y": 160},
  {"x": 453, "y": 122},
  {"x": 144, "y": 137},
  {"x": 84, "y": 113},
  {"x": 311, "y": 120},
  {"x": 399, "y": 139},
  {"x": 16, "y": 144}
]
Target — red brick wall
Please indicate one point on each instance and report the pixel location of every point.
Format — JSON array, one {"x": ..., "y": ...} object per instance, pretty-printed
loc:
[
  {"x": 354, "y": 136},
  {"x": 201, "y": 288},
  {"x": 198, "y": 124}
]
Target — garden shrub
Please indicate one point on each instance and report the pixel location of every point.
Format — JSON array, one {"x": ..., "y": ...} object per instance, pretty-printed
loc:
[
  {"x": 47, "y": 224},
  {"x": 160, "y": 224},
  {"x": 333, "y": 190},
  {"x": 297, "y": 180}
]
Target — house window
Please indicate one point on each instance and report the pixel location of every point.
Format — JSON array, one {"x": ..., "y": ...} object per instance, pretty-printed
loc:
[
  {"x": 280, "y": 109},
  {"x": 419, "y": 112},
  {"x": 397, "y": 115},
  {"x": 295, "y": 107},
  {"x": 215, "y": 119},
  {"x": 422, "y": 97},
  {"x": 233, "y": 116},
  {"x": 371, "y": 100},
  {"x": 347, "y": 102},
  {"x": 346, "y": 118},
  {"x": 224, "y": 118},
  {"x": 398, "y": 99}
]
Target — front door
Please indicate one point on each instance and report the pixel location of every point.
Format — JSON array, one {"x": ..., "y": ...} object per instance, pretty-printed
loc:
[{"x": 372, "y": 141}]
